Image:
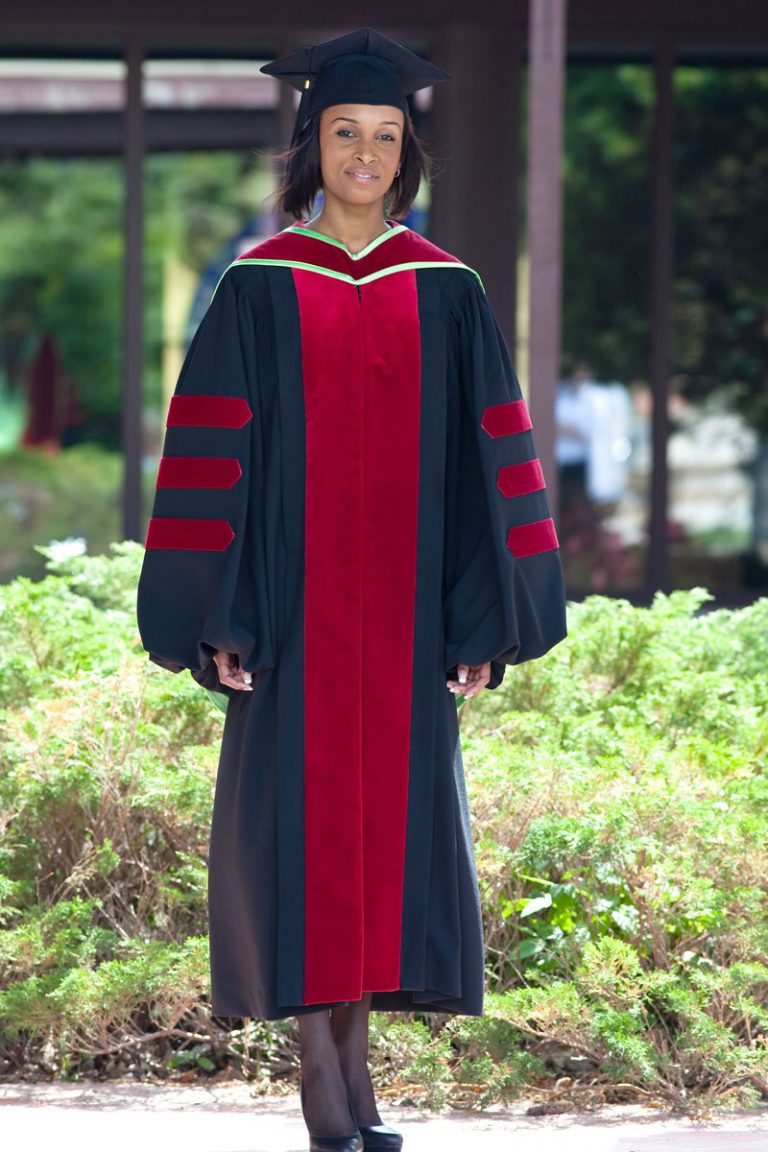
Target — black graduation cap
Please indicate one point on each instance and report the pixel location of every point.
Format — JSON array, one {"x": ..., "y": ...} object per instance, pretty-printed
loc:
[{"x": 362, "y": 67}]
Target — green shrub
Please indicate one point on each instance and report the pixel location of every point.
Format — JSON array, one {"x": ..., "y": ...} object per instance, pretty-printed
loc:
[
  {"x": 46, "y": 496},
  {"x": 618, "y": 792}
]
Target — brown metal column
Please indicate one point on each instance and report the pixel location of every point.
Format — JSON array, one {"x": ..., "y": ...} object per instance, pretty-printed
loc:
[
  {"x": 546, "y": 38},
  {"x": 660, "y": 366},
  {"x": 133, "y": 299},
  {"x": 476, "y": 140}
]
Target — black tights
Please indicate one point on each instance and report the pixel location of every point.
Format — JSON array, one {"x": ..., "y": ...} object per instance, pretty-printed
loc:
[{"x": 334, "y": 1069}]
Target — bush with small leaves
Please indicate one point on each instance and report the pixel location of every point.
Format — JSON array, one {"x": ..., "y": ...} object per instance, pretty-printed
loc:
[{"x": 618, "y": 788}]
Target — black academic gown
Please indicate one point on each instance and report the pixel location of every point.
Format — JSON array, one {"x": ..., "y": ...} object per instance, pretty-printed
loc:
[{"x": 349, "y": 500}]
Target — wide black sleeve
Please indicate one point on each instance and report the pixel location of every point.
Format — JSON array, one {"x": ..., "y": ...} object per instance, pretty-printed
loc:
[
  {"x": 202, "y": 584},
  {"x": 504, "y": 597}
]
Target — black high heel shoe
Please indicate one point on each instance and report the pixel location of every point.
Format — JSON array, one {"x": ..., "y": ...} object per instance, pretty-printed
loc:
[
  {"x": 380, "y": 1138},
  {"x": 353, "y": 1143}
]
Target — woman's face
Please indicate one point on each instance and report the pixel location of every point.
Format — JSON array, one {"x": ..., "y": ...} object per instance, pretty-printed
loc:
[{"x": 360, "y": 147}]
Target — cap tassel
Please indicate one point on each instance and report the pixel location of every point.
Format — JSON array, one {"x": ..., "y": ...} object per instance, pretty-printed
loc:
[
  {"x": 303, "y": 109},
  {"x": 302, "y": 113}
]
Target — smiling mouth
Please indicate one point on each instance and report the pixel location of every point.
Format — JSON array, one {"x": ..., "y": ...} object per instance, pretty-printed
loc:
[{"x": 361, "y": 175}]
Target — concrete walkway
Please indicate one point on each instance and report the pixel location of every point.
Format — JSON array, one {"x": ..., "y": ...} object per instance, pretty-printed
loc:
[{"x": 118, "y": 1117}]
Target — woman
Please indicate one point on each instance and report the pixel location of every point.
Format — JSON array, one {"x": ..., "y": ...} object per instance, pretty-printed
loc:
[{"x": 350, "y": 528}]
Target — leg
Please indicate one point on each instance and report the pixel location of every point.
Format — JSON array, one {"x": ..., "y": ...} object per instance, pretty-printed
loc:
[
  {"x": 349, "y": 1024},
  {"x": 326, "y": 1108}
]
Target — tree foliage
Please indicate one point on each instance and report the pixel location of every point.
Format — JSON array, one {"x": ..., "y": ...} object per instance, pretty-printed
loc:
[
  {"x": 61, "y": 251},
  {"x": 606, "y": 219},
  {"x": 720, "y": 181},
  {"x": 61, "y": 239},
  {"x": 61, "y": 254},
  {"x": 721, "y": 289}
]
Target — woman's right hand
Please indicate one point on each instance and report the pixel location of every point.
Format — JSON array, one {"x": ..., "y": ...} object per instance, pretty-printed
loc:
[{"x": 230, "y": 672}]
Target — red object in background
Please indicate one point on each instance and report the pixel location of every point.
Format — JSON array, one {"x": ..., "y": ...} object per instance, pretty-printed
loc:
[
  {"x": 42, "y": 417},
  {"x": 53, "y": 408}
]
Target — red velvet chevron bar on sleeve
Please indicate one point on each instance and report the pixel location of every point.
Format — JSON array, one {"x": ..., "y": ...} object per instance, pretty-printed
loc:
[
  {"x": 506, "y": 419},
  {"x": 187, "y": 411},
  {"x": 198, "y": 472},
  {"x": 188, "y": 534},
  {"x": 531, "y": 539},
  {"x": 520, "y": 479}
]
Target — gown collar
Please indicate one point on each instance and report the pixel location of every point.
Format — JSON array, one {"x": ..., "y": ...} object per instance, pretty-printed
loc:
[
  {"x": 398, "y": 249},
  {"x": 393, "y": 228}
]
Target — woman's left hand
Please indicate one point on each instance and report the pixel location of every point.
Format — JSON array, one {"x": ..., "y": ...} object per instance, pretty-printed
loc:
[{"x": 471, "y": 679}]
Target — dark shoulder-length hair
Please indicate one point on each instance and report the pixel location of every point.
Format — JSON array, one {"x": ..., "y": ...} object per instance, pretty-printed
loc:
[{"x": 302, "y": 179}]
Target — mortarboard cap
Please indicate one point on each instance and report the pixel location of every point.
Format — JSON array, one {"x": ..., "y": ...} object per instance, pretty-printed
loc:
[{"x": 362, "y": 67}]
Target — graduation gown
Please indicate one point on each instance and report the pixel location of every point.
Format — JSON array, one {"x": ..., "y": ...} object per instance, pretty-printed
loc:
[{"x": 349, "y": 499}]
